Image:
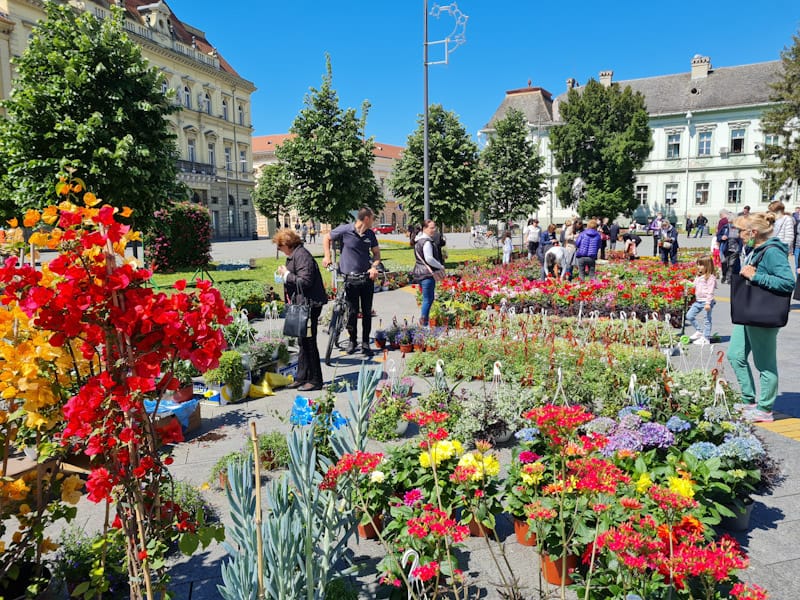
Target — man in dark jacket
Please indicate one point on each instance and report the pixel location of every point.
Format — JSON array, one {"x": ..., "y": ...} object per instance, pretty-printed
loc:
[
  {"x": 700, "y": 224},
  {"x": 613, "y": 234},
  {"x": 588, "y": 244},
  {"x": 668, "y": 243}
]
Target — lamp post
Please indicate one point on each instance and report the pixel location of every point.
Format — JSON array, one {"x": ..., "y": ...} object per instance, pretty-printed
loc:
[
  {"x": 456, "y": 38},
  {"x": 688, "y": 154}
]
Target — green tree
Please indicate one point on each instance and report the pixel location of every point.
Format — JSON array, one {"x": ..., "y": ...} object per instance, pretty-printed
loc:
[
  {"x": 271, "y": 195},
  {"x": 513, "y": 170},
  {"x": 329, "y": 160},
  {"x": 605, "y": 138},
  {"x": 456, "y": 180},
  {"x": 781, "y": 123},
  {"x": 85, "y": 97}
]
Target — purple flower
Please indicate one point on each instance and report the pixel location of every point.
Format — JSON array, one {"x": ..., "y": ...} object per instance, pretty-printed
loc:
[
  {"x": 675, "y": 424},
  {"x": 623, "y": 439},
  {"x": 630, "y": 421},
  {"x": 656, "y": 435}
]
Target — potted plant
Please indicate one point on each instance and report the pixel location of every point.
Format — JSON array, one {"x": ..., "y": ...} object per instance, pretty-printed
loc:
[
  {"x": 403, "y": 339},
  {"x": 418, "y": 340},
  {"x": 219, "y": 472},
  {"x": 80, "y": 562},
  {"x": 380, "y": 338},
  {"x": 273, "y": 450},
  {"x": 184, "y": 372},
  {"x": 230, "y": 374},
  {"x": 386, "y": 419}
]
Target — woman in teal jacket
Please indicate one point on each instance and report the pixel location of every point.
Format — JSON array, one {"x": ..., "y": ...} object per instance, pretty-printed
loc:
[{"x": 766, "y": 266}]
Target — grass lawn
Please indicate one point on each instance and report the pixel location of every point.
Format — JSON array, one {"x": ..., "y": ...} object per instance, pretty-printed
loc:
[{"x": 397, "y": 256}]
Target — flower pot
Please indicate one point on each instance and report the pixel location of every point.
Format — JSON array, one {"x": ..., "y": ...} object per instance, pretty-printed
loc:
[
  {"x": 419, "y": 348},
  {"x": 433, "y": 322},
  {"x": 183, "y": 394},
  {"x": 406, "y": 348},
  {"x": 522, "y": 530},
  {"x": 380, "y": 343},
  {"x": 402, "y": 426},
  {"x": 369, "y": 531},
  {"x": 551, "y": 569},
  {"x": 741, "y": 522},
  {"x": 31, "y": 452},
  {"x": 504, "y": 435},
  {"x": 476, "y": 529}
]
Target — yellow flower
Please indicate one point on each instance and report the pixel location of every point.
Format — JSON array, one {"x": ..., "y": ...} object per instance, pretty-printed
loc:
[
  {"x": 377, "y": 477},
  {"x": 69, "y": 489},
  {"x": 125, "y": 212},
  {"x": 681, "y": 486},
  {"x": 39, "y": 238},
  {"x": 643, "y": 483},
  {"x": 24, "y": 509},
  {"x": 532, "y": 473},
  {"x": 47, "y": 546},
  {"x": 16, "y": 537},
  {"x": 205, "y": 486},
  {"x": 50, "y": 215},
  {"x": 17, "y": 490},
  {"x": 89, "y": 199}
]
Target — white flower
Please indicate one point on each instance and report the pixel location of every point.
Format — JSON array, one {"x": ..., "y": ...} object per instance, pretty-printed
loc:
[{"x": 377, "y": 477}]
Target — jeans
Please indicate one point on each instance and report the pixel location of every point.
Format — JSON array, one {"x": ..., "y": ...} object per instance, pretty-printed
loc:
[
  {"x": 359, "y": 300},
  {"x": 762, "y": 342},
  {"x": 309, "y": 368},
  {"x": 670, "y": 255},
  {"x": 796, "y": 260},
  {"x": 428, "y": 287},
  {"x": 701, "y": 229},
  {"x": 697, "y": 308},
  {"x": 586, "y": 266}
]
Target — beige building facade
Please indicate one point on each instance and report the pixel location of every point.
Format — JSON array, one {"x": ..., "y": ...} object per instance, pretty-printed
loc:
[
  {"x": 386, "y": 157},
  {"x": 213, "y": 129}
]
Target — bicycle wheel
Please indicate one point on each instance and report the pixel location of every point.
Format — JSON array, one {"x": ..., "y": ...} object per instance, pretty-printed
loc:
[{"x": 334, "y": 330}]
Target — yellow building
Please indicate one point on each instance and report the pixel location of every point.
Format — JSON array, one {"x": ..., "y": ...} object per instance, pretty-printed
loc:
[
  {"x": 386, "y": 157},
  {"x": 214, "y": 127}
]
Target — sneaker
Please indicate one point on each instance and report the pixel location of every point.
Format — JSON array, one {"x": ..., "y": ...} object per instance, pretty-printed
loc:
[
  {"x": 351, "y": 347},
  {"x": 743, "y": 406},
  {"x": 695, "y": 335},
  {"x": 758, "y": 416},
  {"x": 367, "y": 351},
  {"x": 701, "y": 341}
]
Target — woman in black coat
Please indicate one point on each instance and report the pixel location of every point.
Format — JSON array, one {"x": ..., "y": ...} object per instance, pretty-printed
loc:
[{"x": 303, "y": 284}]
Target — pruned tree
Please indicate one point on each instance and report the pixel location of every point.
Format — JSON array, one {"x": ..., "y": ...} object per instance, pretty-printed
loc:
[
  {"x": 513, "y": 170},
  {"x": 85, "y": 98},
  {"x": 329, "y": 159},
  {"x": 456, "y": 180},
  {"x": 781, "y": 124},
  {"x": 604, "y": 140},
  {"x": 271, "y": 194}
]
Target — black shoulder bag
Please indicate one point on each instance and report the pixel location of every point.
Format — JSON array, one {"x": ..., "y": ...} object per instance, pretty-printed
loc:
[
  {"x": 295, "y": 323},
  {"x": 757, "y": 306}
]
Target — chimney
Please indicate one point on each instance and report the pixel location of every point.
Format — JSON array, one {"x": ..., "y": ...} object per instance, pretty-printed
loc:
[
  {"x": 701, "y": 66},
  {"x": 605, "y": 78},
  {"x": 571, "y": 83}
]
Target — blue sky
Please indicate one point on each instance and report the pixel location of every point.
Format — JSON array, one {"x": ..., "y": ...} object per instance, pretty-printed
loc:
[{"x": 376, "y": 49}]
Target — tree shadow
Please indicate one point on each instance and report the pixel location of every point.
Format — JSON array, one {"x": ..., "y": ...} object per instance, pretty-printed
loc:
[
  {"x": 764, "y": 518},
  {"x": 788, "y": 403}
]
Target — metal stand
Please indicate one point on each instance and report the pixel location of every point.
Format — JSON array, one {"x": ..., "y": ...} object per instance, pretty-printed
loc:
[{"x": 202, "y": 271}]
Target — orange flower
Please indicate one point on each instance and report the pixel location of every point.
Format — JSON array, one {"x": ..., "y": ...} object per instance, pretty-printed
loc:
[
  {"x": 89, "y": 199},
  {"x": 31, "y": 217},
  {"x": 125, "y": 212},
  {"x": 13, "y": 222}
]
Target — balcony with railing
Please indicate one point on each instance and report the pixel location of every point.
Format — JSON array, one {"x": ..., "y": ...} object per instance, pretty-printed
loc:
[{"x": 196, "y": 168}]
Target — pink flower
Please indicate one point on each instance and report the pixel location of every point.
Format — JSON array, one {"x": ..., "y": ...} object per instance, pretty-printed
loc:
[{"x": 411, "y": 497}]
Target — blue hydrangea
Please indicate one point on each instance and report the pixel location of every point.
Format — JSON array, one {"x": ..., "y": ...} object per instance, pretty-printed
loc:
[
  {"x": 602, "y": 425},
  {"x": 676, "y": 425},
  {"x": 623, "y": 440},
  {"x": 528, "y": 434},
  {"x": 716, "y": 414},
  {"x": 703, "y": 450},
  {"x": 629, "y": 410},
  {"x": 631, "y": 422},
  {"x": 744, "y": 448},
  {"x": 656, "y": 435},
  {"x": 302, "y": 412}
]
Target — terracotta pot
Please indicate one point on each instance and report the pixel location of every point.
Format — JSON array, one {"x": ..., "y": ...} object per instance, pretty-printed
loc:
[
  {"x": 406, "y": 348},
  {"x": 380, "y": 343},
  {"x": 476, "y": 529},
  {"x": 419, "y": 348},
  {"x": 433, "y": 322},
  {"x": 525, "y": 536},
  {"x": 551, "y": 569},
  {"x": 369, "y": 531},
  {"x": 183, "y": 394}
]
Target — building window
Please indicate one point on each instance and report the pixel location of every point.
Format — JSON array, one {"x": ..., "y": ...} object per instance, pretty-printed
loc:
[
  {"x": 245, "y": 222},
  {"x": 701, "y": 193},
  {"x": 244, "y": 201},
  {"x": 214, "y": 199},
  {"x": 737, "y": 141},
  {"x": 207, "y": 99},
  {"x": 243, "y": 161},
  {"x": 187, "y": 97},
  {"x": 641, "y": 194},
  {"x": 771, "y": 140},
  {"x": 670, "y": 194},
  {"x": 674, "y": 145},
  {"x": 735, "y": 191},
  {"x": 192, "y": 151},
  {"x": 704, "y": 143},
  {"x": 228, "y": 161},
  {"x": 225, "y": 109},
  {"x": 212, "y": 154},
  {"x": 241, "y": 115},
  {"x": 215, "y": 221},
  {"x": 164, "y": 87}
]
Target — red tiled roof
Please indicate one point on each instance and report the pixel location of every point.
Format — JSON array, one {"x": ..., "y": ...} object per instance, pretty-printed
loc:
[
  {"x": 181, "y": 34},
  {"x": 267, "y": 143}
]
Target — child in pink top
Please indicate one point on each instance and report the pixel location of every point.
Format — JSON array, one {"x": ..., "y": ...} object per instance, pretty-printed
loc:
[{"x": 705, "y": 285}]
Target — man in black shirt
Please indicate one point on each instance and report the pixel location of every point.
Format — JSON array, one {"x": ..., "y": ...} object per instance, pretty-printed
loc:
[{"x": 359, "y": 270}]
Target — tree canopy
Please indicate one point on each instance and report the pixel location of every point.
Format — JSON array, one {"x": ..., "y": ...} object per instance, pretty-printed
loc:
[
  {"x": 456, "y": 182},
  {"x": 271, "y": 195},
  {"x": 513, "y": 170},
  {"x": 605, "y": 138},
  {"x": 85, "y": 98},
  {"x": 329, "y": 159},
  {"x": 781, "y": 124}
]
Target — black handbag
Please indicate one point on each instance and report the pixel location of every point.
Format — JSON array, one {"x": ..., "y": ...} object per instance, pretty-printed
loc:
[
  {"x": 296, "y": 320},
  {"x": 757, "y": 306}
]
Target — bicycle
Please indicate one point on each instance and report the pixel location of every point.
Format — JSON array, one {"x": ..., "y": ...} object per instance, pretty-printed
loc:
[{"x": 481, "y": 238}]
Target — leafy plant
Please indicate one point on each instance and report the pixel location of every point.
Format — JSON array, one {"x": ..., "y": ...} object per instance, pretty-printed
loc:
[
  {"x": 222, "y": 464},
  {"x": 230, "y": 372},
  {"x": 92, "y": 566},
  {"x": 247, "y": 295},
  {"x": 274, "y": 450},
  {"x": 388, "y": 412}
]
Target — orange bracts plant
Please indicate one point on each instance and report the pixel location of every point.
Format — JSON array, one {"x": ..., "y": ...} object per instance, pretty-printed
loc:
[{"x": 87, "y": 343}]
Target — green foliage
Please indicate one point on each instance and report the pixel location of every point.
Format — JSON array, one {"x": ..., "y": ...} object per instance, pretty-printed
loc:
[
  {"x": 329, "y": 161},
  {"x": 513, "y": 169},
  {"x": 271, "y": 194},
  {"x": 230, "y": 372},
  {"x": 93, "y": 565},
  {"x": 782, "y": 160},
  {"x": 180, "y": 237},
  {"x": 249, "y": 295},
  {"x": 456, "y": 180},
  {"x": 85, "y": 97},
  {"x": 605, "y": 138},
  {"x": 384, "y": 421},
  {"x": 273, "y": 450}
]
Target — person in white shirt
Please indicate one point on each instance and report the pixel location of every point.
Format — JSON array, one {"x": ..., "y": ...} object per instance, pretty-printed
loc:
[
  {"x": 531, "y": 234},
  {"x": 553, "y": 260}
]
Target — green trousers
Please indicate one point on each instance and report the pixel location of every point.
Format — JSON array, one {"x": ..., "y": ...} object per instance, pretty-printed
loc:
[{"x": 763, "y": 343}]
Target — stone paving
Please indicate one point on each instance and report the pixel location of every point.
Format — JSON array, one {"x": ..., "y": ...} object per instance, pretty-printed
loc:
[{"x": 771, "y": 542}]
